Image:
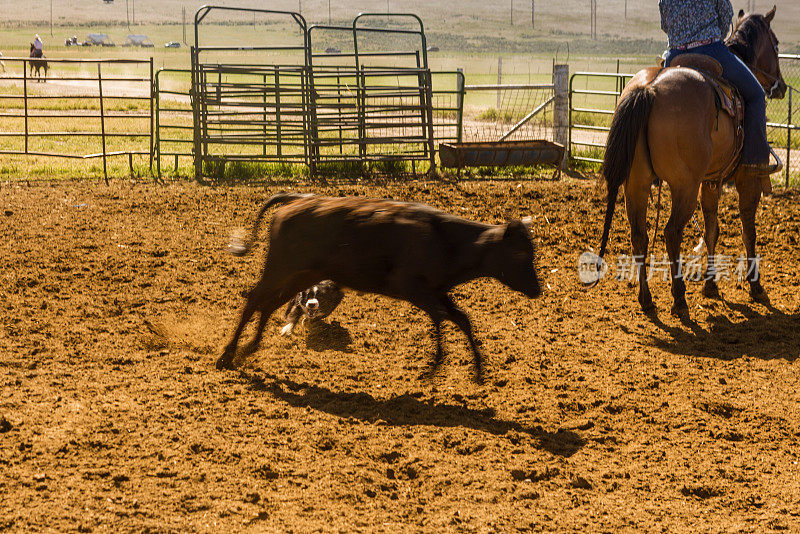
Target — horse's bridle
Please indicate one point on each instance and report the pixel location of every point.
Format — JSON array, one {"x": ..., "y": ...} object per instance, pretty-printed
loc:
[{"x": 776, "y": 80}]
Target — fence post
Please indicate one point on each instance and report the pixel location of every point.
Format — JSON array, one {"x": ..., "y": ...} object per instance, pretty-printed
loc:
[
  {"x": 25, "y": 97},
  {"x": 459, "y": 104},
  {"x": 194, "y": 97},
  {"x": 278, "y": 133},
  {"x": 152, "y": 116},
  {"x": 264, "y": 114},
  {"x": 789, "y": 138},
  {"x": 157, "y": 127},
  {"x": 499, "y": 80},
  {"x": 362, "y": 118},
  {"x": 102, "y": 119},
  {"x": 429, "y": 113},
  {"x": 561, "y": 107}
]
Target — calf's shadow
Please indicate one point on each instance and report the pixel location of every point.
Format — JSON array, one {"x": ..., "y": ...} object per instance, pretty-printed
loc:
[{"x": 406, "y": 410}]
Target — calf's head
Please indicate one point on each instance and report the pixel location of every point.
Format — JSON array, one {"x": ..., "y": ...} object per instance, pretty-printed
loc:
[{"x": 510, "y": 258}]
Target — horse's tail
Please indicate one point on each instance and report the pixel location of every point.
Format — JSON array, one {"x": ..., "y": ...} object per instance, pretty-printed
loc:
[
  {"x": 239, "y": 247},
  {"x": 629, "y": 122}
]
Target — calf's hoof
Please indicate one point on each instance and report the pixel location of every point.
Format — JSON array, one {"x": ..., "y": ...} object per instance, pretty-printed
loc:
[
  {"x": 225, "y": 362},
  {"x": 478, "y": 376},
  {"x": 711, "y": 290}
]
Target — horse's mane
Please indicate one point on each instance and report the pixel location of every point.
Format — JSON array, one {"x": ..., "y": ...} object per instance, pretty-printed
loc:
[{"x": 743, "y": 38}]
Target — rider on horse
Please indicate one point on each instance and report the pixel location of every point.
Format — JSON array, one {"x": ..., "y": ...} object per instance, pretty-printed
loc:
[
  {"x": 38, "y": 46},
  {"x": 699, "y": 27}
]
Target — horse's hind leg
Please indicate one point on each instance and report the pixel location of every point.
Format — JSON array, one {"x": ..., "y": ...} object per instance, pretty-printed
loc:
[
  {"x": 684, "y": 201},
  {"x": 709, "y": 200},
  {"x": 749, "y": 195},
  {"x": 637, "y": 197}
]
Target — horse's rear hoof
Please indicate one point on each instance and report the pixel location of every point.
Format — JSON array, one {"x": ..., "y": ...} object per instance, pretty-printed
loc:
[
  {"x": 680, "y": 310},
  {"x": 648, "y": 307}
]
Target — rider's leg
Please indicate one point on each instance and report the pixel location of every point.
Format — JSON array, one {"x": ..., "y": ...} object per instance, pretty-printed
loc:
[
  {"x": 755, "y": 152},
  {"x": 756, "y": 148}
]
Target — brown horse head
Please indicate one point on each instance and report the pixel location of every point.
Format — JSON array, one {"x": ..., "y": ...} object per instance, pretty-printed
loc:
[{"x": 755, "y": 43}]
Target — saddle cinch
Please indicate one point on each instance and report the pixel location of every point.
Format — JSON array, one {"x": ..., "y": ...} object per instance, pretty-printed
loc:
[{"x": 726, "y": 98}]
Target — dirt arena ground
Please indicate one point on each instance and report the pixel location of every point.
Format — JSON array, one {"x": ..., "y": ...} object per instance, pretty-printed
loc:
[{"x": 116, "y": 301}]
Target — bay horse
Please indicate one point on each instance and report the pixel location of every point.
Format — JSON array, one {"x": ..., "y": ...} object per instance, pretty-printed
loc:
[
  {"x": 667, "y": 126},
  {"x": 37, "y": 62}
]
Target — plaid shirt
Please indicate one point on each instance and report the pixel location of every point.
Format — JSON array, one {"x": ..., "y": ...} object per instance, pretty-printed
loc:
[{"x": 686, "y": 21}]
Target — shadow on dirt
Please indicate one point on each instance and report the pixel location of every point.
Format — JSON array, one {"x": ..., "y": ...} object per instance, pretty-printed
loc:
[
  {"x": 770, "y": 336},
  {"x": 328, "y": 336},
  {"x": 405, "y": 410}
]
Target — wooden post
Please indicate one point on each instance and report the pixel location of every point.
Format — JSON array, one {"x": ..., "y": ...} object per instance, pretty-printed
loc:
[
  {"x": 102, "y": 120},
  {"x": 499, "y": 79},
  {"x": 561, "y": 107},
  {"x": 25, "y": 98}
]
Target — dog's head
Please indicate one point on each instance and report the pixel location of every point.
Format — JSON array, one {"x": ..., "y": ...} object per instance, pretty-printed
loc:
[{"x": 309, "y": 301}]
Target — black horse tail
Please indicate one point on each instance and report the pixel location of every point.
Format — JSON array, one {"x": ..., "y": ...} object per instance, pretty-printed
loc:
[
  {"x": 629, "y": 122},
  {"x": 237, "y": 246}
]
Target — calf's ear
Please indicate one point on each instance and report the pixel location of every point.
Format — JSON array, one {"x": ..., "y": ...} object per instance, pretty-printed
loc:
[{"x": 515, "y": 229}]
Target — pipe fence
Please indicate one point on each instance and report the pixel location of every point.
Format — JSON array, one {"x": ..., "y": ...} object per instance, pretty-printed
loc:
[{"x": 93, "y": 108}]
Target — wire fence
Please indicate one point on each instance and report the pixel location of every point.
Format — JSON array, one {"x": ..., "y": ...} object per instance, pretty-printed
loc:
[{"x": 520, "y": 112}]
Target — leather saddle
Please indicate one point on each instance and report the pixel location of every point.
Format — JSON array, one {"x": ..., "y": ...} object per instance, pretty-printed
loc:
[{"x": 727, "y": 100}]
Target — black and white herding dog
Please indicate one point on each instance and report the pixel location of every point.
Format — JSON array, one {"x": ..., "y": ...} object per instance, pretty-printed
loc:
[{"x": 316, "y": 302}]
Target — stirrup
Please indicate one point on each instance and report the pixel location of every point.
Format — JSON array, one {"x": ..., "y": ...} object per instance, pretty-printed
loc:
[{"x": 778, "y": 166}]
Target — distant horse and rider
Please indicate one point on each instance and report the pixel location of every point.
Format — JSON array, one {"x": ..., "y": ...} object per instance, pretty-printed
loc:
[
  {"x": 679, "y": 125},
  {"x": 38, "y": 60}
]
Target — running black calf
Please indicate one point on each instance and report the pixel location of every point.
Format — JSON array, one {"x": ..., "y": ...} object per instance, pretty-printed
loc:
[{"x": 402, "y": 250}]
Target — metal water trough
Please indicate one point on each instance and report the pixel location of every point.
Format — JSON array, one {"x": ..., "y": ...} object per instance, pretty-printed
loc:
[{"x": 500, "y": 154}]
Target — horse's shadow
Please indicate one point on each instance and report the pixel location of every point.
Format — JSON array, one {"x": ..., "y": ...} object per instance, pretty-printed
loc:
[
  {"x": 770, "y": 336},
  {"x": 405, "y": 410}
]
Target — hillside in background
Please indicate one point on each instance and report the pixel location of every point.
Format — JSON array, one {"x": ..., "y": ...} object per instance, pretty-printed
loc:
[{"x": 473, "y": 25}]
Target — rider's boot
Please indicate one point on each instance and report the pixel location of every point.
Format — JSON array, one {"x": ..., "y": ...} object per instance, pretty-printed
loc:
[{"x": 761, "y": 172}]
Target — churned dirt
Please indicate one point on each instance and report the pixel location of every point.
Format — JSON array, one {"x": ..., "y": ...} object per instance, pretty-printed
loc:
[{"x": 116, "y": 301}]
